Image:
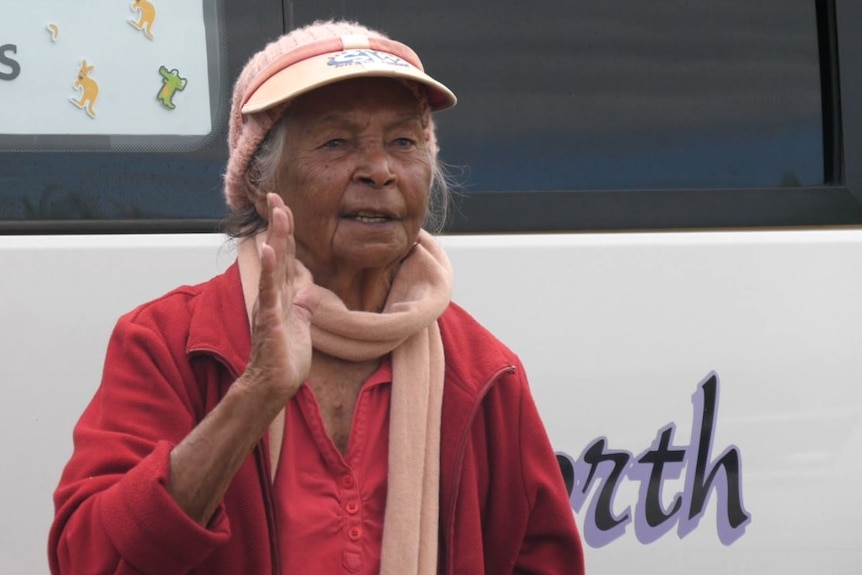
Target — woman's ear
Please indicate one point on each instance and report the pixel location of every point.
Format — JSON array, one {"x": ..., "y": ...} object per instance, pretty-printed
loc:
[
  {"x": 261, "y": 207},
  {"x": 257, "y": 197}
]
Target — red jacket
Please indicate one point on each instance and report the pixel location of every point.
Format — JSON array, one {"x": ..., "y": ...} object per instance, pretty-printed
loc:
[{"x": 503, "y": 503}]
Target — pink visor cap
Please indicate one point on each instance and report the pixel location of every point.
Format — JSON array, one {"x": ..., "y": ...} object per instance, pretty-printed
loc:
[{"x": 324, "y": 62}]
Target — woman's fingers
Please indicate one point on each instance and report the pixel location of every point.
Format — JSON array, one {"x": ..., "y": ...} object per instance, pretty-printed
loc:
[{"x": 277, "y": 253}]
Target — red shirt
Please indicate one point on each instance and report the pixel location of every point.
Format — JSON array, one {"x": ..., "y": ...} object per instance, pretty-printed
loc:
[{"x": 330, "y": 506}]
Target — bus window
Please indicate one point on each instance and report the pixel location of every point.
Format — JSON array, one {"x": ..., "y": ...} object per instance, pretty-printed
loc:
[
  {"x": 621, "y": 94},
  {"x": 624, "y": 114}
]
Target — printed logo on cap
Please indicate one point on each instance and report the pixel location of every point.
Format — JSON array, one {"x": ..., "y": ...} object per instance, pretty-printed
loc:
[{"x": 365, "y": 57}]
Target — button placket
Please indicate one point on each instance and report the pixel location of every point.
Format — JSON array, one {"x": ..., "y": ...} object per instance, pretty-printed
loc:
[{"x": 352, "y": 526}]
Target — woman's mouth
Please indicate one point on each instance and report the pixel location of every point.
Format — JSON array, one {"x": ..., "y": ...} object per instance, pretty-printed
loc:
[{"x": 369, "y": 217}]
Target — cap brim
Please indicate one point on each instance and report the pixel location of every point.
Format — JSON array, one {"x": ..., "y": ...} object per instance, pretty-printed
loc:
[{"x": 325, "y": 69}]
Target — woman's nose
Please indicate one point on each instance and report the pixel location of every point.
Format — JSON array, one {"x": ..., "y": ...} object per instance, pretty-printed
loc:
[{"x": 375, "y": 168}]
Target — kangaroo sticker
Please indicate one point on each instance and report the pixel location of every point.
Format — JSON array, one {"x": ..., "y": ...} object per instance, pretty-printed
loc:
[
  {"x": 54, "y": 30},
  {"x": 171, "y": 84},
  {"x": 146, "y": 16},
  {"x": 89, "y": 90}
]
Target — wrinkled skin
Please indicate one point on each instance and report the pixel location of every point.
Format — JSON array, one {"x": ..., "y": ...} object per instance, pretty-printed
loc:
[{"x": 356, "y": 174}]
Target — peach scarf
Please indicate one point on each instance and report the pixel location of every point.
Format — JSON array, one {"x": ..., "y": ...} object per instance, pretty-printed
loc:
[{"x": 407, "y": 327}]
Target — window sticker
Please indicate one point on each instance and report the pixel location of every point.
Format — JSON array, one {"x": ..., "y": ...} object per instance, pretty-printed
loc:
[
  {"x": 146, "y": 17},
  {"x": 89, "y": 90},
  {"x": 128, "y": 67}
]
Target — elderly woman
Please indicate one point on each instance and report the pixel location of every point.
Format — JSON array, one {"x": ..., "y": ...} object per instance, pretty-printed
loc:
[{"x": 322, "y": 406}]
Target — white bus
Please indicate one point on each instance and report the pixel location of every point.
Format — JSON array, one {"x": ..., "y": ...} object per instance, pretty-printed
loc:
[{"x": 659, "y": 210}]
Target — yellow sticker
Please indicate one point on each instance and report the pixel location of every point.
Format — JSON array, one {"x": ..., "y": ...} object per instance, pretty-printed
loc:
[
  {"x": 89, "y": 90},
  {"x": 146, "y": 16},
  {"x": 54, "y": 30}
]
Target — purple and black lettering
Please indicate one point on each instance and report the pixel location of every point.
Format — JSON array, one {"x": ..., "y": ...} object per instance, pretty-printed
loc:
[{"x": 599, "y": 472}]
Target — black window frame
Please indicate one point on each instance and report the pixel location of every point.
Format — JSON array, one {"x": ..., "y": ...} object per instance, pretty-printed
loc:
[{"x": 836, "y": 203}]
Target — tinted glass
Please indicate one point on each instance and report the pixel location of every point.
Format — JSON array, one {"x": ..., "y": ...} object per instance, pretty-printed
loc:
[
  {"x": 617, "y": 94},
  {"x": 581, "y": 95}
]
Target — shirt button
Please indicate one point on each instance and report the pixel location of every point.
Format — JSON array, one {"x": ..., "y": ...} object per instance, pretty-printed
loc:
[
  {"x": 347, "y": 481},
  {"x": 352, "y": 507},
  {"x": 354, "y": 534}
]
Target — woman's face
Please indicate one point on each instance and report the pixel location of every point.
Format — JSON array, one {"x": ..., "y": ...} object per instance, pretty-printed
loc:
[{"x": 356, "y": 173}]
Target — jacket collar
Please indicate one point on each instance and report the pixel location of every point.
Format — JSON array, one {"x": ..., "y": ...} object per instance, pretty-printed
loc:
[
  {"x": 219, "y": 326},
  {"x": 219, "y": 323},
  {"x": 473, "y": 354}
]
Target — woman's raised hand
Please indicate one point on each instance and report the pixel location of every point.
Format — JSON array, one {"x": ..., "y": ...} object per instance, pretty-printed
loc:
[
  {"x": 204, "y": 463},
  {"x": 281, "y": 323}
]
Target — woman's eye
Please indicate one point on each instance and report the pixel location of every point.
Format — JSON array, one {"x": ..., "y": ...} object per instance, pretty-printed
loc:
[
  {"x": 334, "y": 144},
  {"x": 405, "y": 142}
]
